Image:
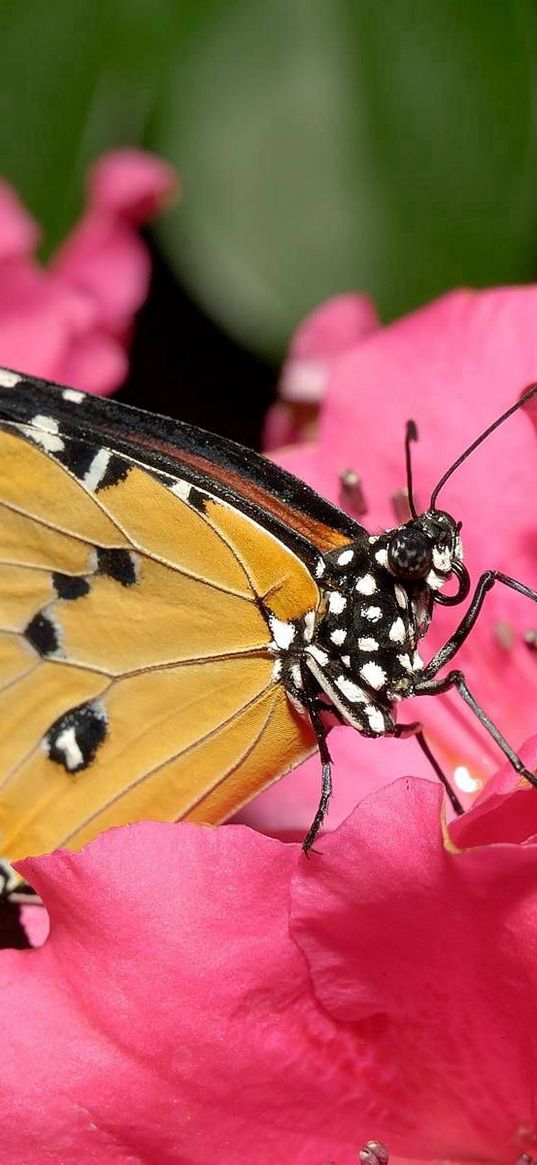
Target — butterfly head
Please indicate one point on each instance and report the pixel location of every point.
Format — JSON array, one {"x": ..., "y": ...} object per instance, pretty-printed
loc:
[{"x": 428, "y": 550}]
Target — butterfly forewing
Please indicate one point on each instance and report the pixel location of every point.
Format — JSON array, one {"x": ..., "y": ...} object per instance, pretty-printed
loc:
[{"x": 138, "y": 671}]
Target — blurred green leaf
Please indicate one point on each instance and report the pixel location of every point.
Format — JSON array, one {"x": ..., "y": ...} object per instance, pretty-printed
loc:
[
  {"x": 324, "y": 146},
  {"x": 49, "y": 65},
  {"x": 76, "y": 79},
  {"x": 351, "y": 144}
]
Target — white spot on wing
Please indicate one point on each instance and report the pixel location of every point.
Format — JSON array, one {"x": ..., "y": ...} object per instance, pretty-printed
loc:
[
  {"x": 73, "y": 395},
  {"x": 276, "y": 670},
  {"x": 366, "y": 585},
  {"x": 336, "y": 602},
  {"x": 373, "y": 674},
  {"x": 283, "y": 633},
  {"x": 9, "y": 379},
  {"x": 345, "y": 557},
  {"x": 181, "y": 489},
  {"x": 67, "y": 743},
  {"x": 338, "y": 636},
  {"x": 405, "y": 662},
  {"x": 44, "y": 431},
  {"x": 297, "y": 675},
  {"x": 96, "y": 471},
  {"x": 381, "y": 557},
  {"x": 353, "y": 693},
  {"x": 397, "y": 632},
  {"x": 320, "y": 569}
]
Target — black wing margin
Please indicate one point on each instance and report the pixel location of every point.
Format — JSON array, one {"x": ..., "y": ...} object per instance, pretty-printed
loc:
[{"x": 277, "y": 500}]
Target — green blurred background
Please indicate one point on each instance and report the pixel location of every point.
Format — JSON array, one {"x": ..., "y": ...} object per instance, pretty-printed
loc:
[{"x": 325, "y": 145}]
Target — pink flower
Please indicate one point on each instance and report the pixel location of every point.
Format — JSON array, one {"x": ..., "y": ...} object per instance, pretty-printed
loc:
[
  {"x": 452, "y": 367},
  {"x": 326, "y": 334},
  {"x": 71, "y": 321},
  {"x": 212, "y": 995}
]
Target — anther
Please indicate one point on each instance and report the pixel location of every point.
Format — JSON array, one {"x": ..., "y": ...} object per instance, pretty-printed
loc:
[
  {"x": 374, "y": 1153},
  {"x": 351, "y": 493},
  {"x": 401, "y": 506},
  {"x": 504, "y": 634}
]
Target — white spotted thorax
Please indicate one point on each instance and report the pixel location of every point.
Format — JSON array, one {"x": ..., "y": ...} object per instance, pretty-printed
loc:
[{"x": 377, "y": 600}]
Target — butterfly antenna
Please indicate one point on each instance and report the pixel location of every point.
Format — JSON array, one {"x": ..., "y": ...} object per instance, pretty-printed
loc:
[
  {"x": 410, "y": 435},
  {"x": 522, "y": 400}
]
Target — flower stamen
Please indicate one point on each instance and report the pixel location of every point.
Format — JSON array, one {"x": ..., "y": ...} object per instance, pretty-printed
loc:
[
  {"x": 375, "y": 1153},
  {"x": 351, "y": 493}
]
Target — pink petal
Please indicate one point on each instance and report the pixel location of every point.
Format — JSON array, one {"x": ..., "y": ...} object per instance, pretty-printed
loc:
[
  {"x": 169, "y": 1016},
  {"x": 106, "y": 260},
  {"x": 327, "y": 333},
  {"x": 103, "y": 255},
  {"x": 71, "y": 322},
  {"x": 131, "y": 184},
  {"x": 40, "y": 318},
  {"x": 506, "y": 810},
  {"x": 19, "y": 234},
  {"x": 431, "y": 955},
  {"x": 95, "y": 363}
]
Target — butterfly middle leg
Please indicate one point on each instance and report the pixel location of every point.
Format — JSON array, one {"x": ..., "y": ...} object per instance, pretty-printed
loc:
[
  {"x": 428, "y": 685},
  {"x": 401, "y": 731},
  {"x": 456, "y": 679}
]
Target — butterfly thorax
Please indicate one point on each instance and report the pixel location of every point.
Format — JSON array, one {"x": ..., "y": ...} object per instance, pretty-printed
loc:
[{"x": 364, "y": 651}]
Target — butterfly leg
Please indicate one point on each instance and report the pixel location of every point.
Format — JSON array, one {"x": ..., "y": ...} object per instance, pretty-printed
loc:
[
  {"x": 313, "y": 707},
  {"x": 455, "y": 679},
  {"x": 484, "y": 585},
  {"x": 416, "y": 729}
]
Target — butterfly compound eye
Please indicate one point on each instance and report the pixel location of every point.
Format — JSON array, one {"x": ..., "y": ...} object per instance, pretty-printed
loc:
[{"x": 410, "y": 553}]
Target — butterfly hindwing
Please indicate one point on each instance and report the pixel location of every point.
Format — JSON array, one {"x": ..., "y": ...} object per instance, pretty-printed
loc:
[{"x": 138, "y": 672}]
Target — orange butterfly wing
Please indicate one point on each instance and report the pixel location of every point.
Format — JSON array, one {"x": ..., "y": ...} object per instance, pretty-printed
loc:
[{"x": 150, "y": 610}]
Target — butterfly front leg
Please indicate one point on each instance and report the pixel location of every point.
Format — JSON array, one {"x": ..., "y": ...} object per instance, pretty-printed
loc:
[
  {"x": 452, "y": 645},
  {"x": 350, "y": 703},
  {"x": 402, "y": 732},
  {"x": 313, "y": 707}
]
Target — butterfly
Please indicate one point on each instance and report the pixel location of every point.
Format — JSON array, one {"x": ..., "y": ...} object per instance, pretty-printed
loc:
[{"x": 181, "y": 620}]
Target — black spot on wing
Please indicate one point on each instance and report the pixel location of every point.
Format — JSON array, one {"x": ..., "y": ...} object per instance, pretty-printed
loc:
[
  {"x": 117, "y": 564},
  {"x": 69, "y": 586},
  {"x": 42, "y": 634},
  {"x": 116, "y": 470},
  {"x": 197, "y": 499},
  {"x": 77, "y": 456},
  {"x": 97, "y": 467},
  {"x": 74, "y": 738}
]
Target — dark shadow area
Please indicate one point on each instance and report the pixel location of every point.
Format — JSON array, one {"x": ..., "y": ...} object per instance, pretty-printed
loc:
[{"x": 185, "y": 366}]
